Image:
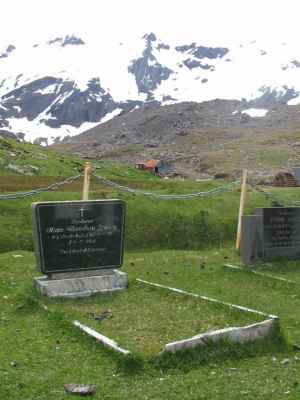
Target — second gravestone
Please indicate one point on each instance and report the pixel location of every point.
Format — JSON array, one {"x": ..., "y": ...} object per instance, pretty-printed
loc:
[
  {"x": 272, "y": 232},
  {"x": 79, "y": 247}
]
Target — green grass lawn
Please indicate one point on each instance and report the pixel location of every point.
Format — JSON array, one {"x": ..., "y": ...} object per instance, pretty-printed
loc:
[
  {"x": 287, "y": 270},
  {"x": 144, "y": 319},
  {"x": 19, "y": 159},
  {"x": 182, "y": 244},
  {"x": 151, "y": 223},
  {"x": 42, "y": 350}
]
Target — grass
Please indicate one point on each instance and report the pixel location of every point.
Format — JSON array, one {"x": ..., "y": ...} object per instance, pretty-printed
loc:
[
  {"x": 35, "y": 162},
  {"x": 144, "y": 319},
  {"x": 181, "y": 244},
  {"x": 151, "y": 224},
  {"x": 43, "y": 350}
]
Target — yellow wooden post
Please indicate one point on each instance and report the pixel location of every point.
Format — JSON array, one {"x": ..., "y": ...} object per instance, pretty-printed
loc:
[
  {"x": 86, "y": 180},
  {"x": 241, "y": 210}
]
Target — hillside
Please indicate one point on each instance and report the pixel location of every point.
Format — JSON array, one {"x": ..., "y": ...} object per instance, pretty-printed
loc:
[
  {"x": 26, "y": 166},
  {"x": 29, "y": 160},
  {"x": 199, "y": 139}
]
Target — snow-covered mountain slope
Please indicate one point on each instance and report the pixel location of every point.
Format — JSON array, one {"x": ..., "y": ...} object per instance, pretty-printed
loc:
[{"x": 65, "y": 86}]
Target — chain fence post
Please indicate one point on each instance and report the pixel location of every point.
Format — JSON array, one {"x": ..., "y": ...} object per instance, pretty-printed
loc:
[{"x": 86, "y": 180}]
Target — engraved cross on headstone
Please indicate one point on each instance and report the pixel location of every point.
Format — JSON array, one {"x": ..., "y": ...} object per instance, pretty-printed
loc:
[{"x": 82, "y": 209}]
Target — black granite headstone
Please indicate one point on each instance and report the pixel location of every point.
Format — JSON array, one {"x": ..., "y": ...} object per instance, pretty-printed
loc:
[
  {"x": 281, "y": 232},
  {"x": 79, "y": 235}
]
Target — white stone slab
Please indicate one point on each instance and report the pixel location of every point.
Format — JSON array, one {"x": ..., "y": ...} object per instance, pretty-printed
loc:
[
  {"x": 242, "y": 334},
  {"x": 269, "y": 276},
  {"x": 82, "y": 286},
  {"x": 107, "y": 342},
  {"x": 209, "y": 299}
]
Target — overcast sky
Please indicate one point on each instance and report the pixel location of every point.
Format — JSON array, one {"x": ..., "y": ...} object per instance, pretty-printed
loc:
[{"x": 216, "y": 22}]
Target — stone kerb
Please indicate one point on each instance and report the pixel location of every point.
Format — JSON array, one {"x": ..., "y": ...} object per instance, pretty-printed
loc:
[{"x": 241, "y": 334}]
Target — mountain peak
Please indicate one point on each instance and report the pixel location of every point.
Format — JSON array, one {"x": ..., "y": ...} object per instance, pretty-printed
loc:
[
  {"x": 86, "y": 84},
  {"x": 66, "y": 41},
  {"x": 150, "y": 37},
  {"x": 203, "y": 51},
  {"x": 8, "y": 50},
  {"x": 72, "y": 40}
]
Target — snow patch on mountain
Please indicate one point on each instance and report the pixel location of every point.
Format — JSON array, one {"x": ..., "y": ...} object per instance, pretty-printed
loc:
[
  {"x": 74, "y": 63},
  {"x": 111, "y": 115},
  {"x": 36, "y": 132},
  {"x": 54, "y": 88},
  {"x": 295, "y": 101},
  {"x": 255, "y": 112}
]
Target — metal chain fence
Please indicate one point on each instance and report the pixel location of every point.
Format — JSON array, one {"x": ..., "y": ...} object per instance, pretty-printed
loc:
[
  {"x": 53, "y": 186},
  {"x": 225, "y": 188},
  {"x": 275, "y": 201}
]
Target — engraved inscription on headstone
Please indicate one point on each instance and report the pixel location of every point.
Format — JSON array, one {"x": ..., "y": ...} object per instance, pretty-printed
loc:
[
  {"x": 272, "y": 232},
  {"x": 79, "y": 235},
  {"x": 281, "y": 232}
]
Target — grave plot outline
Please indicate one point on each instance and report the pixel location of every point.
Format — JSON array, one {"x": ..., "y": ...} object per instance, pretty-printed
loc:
[
  {"x": 239, "y": 334},
  {"x": 93, "y": 231}
]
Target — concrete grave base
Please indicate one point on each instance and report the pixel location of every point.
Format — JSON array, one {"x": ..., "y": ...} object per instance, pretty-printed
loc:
[{"x": 74, "y": 286}]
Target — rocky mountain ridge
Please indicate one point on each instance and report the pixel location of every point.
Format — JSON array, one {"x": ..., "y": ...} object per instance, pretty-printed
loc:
[
  {"x": 198, "y": 139},
  {"x": 62, "y": 88}
]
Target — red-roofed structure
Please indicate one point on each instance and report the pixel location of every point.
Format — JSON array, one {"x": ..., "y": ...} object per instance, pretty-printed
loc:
[{"x": 154, "y": 166}]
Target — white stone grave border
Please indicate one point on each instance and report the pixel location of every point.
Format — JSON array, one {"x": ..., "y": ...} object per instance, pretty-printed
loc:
[
  {"x": 268, "y": 276},
  {"x": 243, "y": 334},
  {"x": 107, "y": 342}
]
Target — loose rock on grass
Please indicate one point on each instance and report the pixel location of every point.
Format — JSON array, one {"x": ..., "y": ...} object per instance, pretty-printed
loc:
[{"x": 81, "y": 390}]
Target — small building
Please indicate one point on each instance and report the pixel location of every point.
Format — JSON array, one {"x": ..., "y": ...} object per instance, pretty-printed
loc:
[
  {"x": 285, "y": 179},
  {"x": 296, "y": 171},
  {"x": 223, "y": 175},
  {"x": 154, "y": 166}
]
